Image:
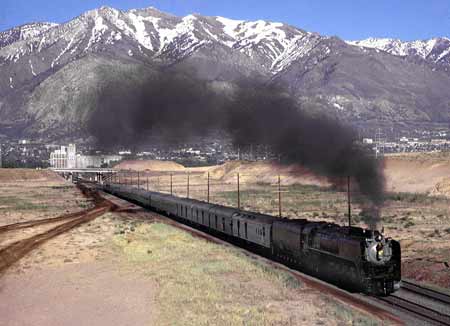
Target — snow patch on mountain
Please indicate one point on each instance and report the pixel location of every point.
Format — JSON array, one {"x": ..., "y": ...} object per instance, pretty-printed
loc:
[
  {"x": 141, "y": 34},
  {"x": 97, "y": 31},
  {"x": 297, "y": 48},
  {"x": 183, "y": 30},
  {"x": 55, "y": 61},
  {"x": 31, "y": 67},
  {"x": 229, "y": 28}
]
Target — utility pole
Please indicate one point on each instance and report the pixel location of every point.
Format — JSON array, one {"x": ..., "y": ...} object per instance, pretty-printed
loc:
[
  {"x": 208, "y": 190},
  {"x": 279, "y": 196},
  {"x": 238, "y": 193},
  {"x": 138, "y": 180},
  {"x": 349, "y": 204},
  {"x": 147, "y": 182},
  {"x": 188, "y": 185}
]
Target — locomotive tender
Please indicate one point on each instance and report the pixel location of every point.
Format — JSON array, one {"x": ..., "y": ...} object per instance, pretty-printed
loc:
[{"x": 356, "y": 259}]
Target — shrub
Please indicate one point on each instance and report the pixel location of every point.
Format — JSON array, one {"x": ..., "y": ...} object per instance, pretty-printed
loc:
[{"x": 409, "y": 223}]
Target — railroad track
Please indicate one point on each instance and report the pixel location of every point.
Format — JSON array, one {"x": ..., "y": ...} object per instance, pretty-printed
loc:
[
  {"x": 425, "y": 304},
  {"x": 17, "y": 250},
  {"x": 30, "y": 224},
  {"x": 427, "y": 292}
]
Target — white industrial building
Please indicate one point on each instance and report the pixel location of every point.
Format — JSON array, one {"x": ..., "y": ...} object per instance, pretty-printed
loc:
[
  {"x": 58, "y": 158},
  {"x": 67, "y": 158}
]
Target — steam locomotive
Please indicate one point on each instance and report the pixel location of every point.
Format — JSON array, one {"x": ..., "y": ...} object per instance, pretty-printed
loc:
[{"x": 356, "y": 259}]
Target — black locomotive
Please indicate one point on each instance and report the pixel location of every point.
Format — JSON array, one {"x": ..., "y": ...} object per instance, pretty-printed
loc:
[{"x": 357, "y": 259}]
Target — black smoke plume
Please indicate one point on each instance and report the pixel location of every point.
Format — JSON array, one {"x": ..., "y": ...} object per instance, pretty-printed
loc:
[{"x": 177, "y": 107}]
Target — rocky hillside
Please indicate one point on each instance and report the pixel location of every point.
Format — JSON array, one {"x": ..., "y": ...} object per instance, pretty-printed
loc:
[{"x": 50, "y": 74}]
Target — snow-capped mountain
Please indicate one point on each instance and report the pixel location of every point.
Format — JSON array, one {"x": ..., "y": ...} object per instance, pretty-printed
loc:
[
  {"x": 436, "y": 50},
  {"x": 50, "y": 73},
  {"x": 156, "y": 35}
]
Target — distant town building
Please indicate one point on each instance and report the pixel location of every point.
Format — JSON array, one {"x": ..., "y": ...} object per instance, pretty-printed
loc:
[
  {"x": 72, "y": 156},
  {"x": 58, "y": 158},
  {"x": 67, "y": 158},
  {"x": 367, "y": 141}
]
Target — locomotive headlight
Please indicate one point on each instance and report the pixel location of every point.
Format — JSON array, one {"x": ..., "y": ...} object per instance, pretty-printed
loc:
[{"x": 378, "y": 250}]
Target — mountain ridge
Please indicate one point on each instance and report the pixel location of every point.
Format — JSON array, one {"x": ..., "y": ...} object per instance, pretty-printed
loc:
[
  {"x": 354, "y": 82},
  {"x": 436, "y": 49}
]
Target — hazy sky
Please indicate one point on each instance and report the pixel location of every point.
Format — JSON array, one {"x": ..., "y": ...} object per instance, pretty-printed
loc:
[{"x": 348, "y": 19}]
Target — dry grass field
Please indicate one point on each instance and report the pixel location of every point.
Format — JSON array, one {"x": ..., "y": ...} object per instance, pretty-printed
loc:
[
  {"x": 131, "y": 268},
  {"x": 202, "y": 283},
  {"x": 36, "y": 194}
]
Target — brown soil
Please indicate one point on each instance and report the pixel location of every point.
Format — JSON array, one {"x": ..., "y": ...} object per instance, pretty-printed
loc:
[
  {"x": 411, "y": 172},
  {"x": 18, "y": 175},
  {"x": 150, "y": 165},
  {"x": 96, "y": 293},
  {"x": 265, "y": 172},
  {"x": 418, "y": 172}
]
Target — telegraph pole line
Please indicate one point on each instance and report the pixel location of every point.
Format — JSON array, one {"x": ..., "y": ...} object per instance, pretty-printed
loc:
[
  {"x": 208, "y": 189},
  {"x": 238, "y": 193},
  {"x": 279, "y": 196},
  {"x": 188, "y": 185},
  {"x": 349, "y": 204}
]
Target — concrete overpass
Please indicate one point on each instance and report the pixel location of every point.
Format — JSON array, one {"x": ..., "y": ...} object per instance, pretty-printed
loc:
[
  {"x": 94, "y": 174},
  {"x": 86, "y": 170}
]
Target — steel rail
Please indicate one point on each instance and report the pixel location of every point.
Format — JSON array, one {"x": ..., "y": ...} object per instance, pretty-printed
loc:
[
  {"x": 419, "y": 311},
  {"x": 425, "y": 291}
]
